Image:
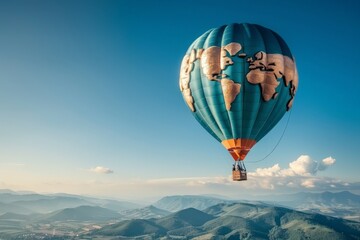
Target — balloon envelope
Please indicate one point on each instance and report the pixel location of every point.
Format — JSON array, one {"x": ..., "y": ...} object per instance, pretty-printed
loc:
[{"x": 238, "y": 80}]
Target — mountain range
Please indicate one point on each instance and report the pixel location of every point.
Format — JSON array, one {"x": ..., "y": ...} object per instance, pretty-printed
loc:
[
  {"x": 39, "y": 203},
  {"x": 27, "y": 215},
  {"x": 235, "y": 221},
  {"x": 179, "y": 202},
  {"x": 340, "y": 204}
]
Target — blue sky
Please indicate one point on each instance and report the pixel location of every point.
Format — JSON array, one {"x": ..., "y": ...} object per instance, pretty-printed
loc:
[{"x": 88, "y": 84}]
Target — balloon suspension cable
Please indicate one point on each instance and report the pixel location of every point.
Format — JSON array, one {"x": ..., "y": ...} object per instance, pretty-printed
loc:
[
  {"x": 242, "y": 165},
  {"x": 239, "y": 165},
  {"x": 277, "y": 144}
]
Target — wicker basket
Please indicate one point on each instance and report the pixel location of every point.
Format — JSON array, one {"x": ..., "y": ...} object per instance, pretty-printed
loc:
[{"x": 239, "y": 175}]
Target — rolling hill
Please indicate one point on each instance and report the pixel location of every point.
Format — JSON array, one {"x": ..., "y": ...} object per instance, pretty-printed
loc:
[
  {"x": 26, "y": 203},
  {"x": 13, "y": 208},
  {"x": 10, "y": 197},
  {"x": 131, "y": 228},
  {"x": 21, "y": 217},
  {"x": 180, "y": 202},
  {"x": 145, "y": 213},
  {"x": 337, "y": 204},
  {"x": 80, "y": 214},
  {"x": 52, "y": 204},
  {"x": 184, "y": 218}
]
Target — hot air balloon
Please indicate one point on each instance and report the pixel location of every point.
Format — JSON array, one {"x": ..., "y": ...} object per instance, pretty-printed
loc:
[{"x": 238, "y": 81}]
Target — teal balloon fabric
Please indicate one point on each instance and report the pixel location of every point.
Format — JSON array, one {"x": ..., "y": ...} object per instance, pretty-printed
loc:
[{"x": 238, "y": 80}]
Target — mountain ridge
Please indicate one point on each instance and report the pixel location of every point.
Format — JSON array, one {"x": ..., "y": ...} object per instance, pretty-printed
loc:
[
  {"x": 81, "y": 213},
  {"x": 178, "y": 202},
  {"x": 253, "y": 222},
  {"x": 145, "y": 213}
]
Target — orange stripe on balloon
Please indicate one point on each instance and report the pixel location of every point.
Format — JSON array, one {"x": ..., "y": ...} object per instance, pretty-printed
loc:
[{"x": 238, "y": 147}]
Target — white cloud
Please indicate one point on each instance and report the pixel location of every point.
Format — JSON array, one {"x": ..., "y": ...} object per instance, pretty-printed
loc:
[
  {"x": 308, "y": 183},
  {"x": 303, "y": 166},
  {"x": 325, "y": 163},
  {"x": 102, "y": 170},
  {"x": 301, "y": 173}
]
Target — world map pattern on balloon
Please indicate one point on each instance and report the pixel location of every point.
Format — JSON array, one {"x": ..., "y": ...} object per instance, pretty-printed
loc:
[
  {"x": 238, "y": 80},
  {"x": 264, "y": 69}
]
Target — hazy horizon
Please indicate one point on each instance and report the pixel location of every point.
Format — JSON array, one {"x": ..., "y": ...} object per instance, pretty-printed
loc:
[{"x": 149, "y": 200}]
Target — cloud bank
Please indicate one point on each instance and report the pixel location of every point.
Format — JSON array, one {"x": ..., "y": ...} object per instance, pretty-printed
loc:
[
  {"x": 301, "y": 174},
  {"x": 101, "y": 170},
  {"x": 303, "y": 166}
]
